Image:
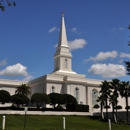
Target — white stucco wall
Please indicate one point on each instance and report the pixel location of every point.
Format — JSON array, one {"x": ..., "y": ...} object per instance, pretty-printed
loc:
[
  {"x": 71, "y": 89},
  {"x": 37, "y": 89},
  {"x": 58, "y": 88},
  {"x": 11, "y": 90}
]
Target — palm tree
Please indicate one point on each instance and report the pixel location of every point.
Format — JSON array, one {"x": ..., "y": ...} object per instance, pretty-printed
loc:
[
  {"x": 105, "y": 92},
  {"x": 23, "y": 89},
  {"x": 125, "y": 92},
  {"x": 101, "y": 99},
  {"x": 113, "y": 101},
  {"x": 115, "y": 83}
]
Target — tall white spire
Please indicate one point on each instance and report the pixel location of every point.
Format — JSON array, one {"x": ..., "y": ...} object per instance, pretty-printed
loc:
[
  {"x": 62, "y": 36},
  {"x": 62, "y": 57}
]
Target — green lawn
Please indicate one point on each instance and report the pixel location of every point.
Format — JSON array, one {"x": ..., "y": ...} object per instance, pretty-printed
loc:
[{"x": 16, "y": 122}]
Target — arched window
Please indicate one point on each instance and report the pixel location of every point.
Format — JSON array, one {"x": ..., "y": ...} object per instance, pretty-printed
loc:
[
  {"x": 66, "y": 63},
  {"x": 77, "y": 94},
  {"x": 94, "y": 97},
  {"x": 52, "y": 89}
]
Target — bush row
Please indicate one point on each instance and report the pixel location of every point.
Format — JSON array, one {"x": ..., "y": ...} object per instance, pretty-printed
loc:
[{"x": 69, "y": 107}]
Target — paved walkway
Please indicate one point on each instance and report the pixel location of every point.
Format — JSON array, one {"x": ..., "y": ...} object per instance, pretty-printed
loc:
[{"x": 45, "y": 113}]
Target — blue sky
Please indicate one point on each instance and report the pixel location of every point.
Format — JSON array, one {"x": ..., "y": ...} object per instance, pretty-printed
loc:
[{"x": 97, "y": 32}]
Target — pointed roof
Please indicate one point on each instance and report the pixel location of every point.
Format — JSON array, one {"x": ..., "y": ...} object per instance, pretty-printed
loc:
[{"x": 62, "y": 36}]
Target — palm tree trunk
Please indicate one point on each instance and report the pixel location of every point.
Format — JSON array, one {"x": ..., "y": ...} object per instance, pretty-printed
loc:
[
  {"x": 116, "y": 114},
  {"x": 106, "y": 110},
  {"x": 102, "y": 110},
  {"x": 127, "y": 110},
  {"x": 113, "y": 112}
]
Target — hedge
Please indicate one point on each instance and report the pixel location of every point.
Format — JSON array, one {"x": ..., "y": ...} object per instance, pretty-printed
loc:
[{"x": 82, "y": 108}]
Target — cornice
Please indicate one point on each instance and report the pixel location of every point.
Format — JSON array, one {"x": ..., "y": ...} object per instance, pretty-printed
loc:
[{"x": 13, "y": 83}]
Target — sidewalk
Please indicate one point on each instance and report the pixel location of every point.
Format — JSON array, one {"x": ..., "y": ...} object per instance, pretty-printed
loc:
[{"x": 45, "y": 113}]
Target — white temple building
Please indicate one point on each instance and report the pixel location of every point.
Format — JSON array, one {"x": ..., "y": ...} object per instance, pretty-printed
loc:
[{"x": 63, "y": 79}]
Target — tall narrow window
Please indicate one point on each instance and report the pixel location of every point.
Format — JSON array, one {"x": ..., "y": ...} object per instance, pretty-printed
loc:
[
  {"x": 66, "y": 63},
  {"x": 52, "y": 89},
  {"x": 77, "y": 94},
  {"x": 94, "y": 97}
]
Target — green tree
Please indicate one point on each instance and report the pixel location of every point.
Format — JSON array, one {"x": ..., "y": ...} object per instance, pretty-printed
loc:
[
  {"x": 105, "y": 92},
  {"x": 54, "y": 99},
  {"x": 69, "y": 99},
  {"x": 23, "y": 89},
  {"x": 125, "y": 92},
  {"x": 2, "y": 7},
  {"x": 40, "y": 99},
  {"x": 4, "y": 96},
  {"x": 19, "y": 99}
]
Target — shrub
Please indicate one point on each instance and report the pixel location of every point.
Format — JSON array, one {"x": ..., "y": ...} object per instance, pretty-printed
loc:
[
  {"x": 70, "y": 107},
  {"x": 40, "y": 99},
  {"x": 127, "y": 107},
  {"x": 118, "y": 107},
  {"x": 19, "y": 99},
  {"x": 4, "y": 96},
  {"x": 96, "y": 106},
  {"x": 82, "y": 108}
]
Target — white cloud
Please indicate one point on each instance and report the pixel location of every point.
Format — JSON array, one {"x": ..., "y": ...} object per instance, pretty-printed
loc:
[
  {"x": 120, "y": 61},
  {"x": 74, "y": 30},
  {"x": 120, "y": 28},
  {"x": 77, "y": 44},
  {"x": 27, "y": 78},
  {"x": 103, "y": 56},
  {"x": 114, "y": 30},
  {"x": 122, "y": 55},
  {"x": 3, "y": 62},
  {"x": 15, "y": 70},
  {"x": 55, "y": 45},
  {"x": 110, "y": 70},
  {"x": 52, "y": 29}
]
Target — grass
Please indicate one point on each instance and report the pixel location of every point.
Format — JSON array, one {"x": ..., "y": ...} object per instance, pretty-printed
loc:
[{"x": 35, "y": 122}]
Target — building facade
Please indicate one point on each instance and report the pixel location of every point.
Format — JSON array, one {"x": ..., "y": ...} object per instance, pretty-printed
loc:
[{"x": 63, "y": 79}]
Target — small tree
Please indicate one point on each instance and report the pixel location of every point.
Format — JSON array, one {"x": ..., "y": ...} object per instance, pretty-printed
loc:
[
  {"x": 19, "y": 99},
  {"x": 70, "y": 102},
  {"x": 69, "y": 99},
  {"x": 4, "y": 96},
  {"x": 54, "y": 98},
  {"x": 40, "y": 99}
]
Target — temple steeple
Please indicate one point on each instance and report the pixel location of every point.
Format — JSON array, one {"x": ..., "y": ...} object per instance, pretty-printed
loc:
[
  {"x": 62, "y": 57},
  {"x": 62, "y": 36}
]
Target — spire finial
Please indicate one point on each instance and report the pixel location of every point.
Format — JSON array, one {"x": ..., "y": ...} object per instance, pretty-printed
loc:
[{"x": 62, "y": 13}]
